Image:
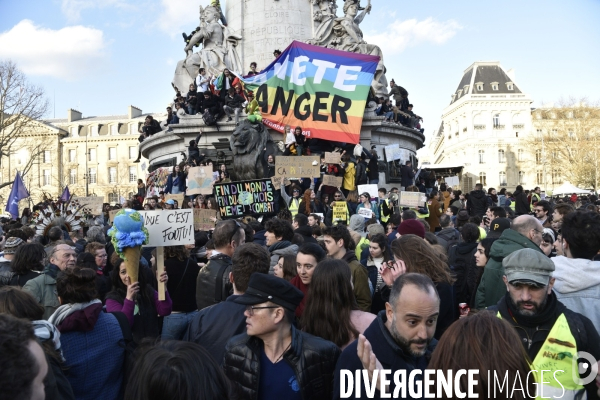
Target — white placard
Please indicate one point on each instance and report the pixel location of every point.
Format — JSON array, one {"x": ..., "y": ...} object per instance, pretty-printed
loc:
[
  {"x": 371, "y": 189},
  {"x": 365, "y": 212},
  {"x": 169, "y": 227},
  {"x": 452, "y": 181}
]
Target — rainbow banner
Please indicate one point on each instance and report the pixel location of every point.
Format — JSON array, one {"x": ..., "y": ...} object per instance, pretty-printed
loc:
[{"x": 324, "y": 91}]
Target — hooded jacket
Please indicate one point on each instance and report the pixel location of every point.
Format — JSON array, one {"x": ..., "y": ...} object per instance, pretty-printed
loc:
[
  {"x": 360, "y": 281},
  {"x": 491, "y": 287},
  {"x": 306, "y": 233},
  {"x": 521, "y": 204},
  {"x": 461, "y": 259},
  {"x": 478, "y": 203},
  {"x": 577, "y": 286}
]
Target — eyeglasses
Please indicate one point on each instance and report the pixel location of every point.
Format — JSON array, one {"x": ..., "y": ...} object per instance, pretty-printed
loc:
[{"x": 251, "y": 309}]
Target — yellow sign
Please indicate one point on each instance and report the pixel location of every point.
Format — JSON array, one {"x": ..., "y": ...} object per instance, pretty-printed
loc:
[{"x": 340, "y": 211}]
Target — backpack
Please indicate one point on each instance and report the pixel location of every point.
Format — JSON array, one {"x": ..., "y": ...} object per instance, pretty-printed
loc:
[
  {"x": 209, "y": 119},
  {"x": 361, "y": 173}
]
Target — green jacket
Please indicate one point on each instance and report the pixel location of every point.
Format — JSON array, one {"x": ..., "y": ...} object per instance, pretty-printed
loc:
[
  {"x": 360, "y": 281},
  {"x": 43, "y": 289},
  {"x": 491, "y": 287}
]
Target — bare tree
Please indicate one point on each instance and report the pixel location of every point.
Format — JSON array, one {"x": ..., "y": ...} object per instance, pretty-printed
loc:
[
  {"x": 565, "y": 142},
  {"x": 22, "y": 106}
]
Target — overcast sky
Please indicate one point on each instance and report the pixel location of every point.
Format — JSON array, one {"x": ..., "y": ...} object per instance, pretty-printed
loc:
[{"x": 99, "y": 56}]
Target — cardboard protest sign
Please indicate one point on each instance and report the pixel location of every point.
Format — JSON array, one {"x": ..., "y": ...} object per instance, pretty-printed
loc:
[
  {"x": 237, "y": 199},
  {"x": 177, "y": 197},
  {"x": 200, "y": 181},
  {"x": 333, "y": 158},
  {"x": 371, "y": 189},
  {"x": 412, "y": 199},
  {"x": 365, "y": 212},
  {"x": 340, "y": 209},
  {"x": 202, "y": 219},
  {"x": 297, "y": 167},
  {"x": 169, "y": 227},
  {"x": 92, "y": 204},
  {"x": 322, "y": 90},
  {"x": 277, "y": 182},
  {"x": 332, "y": 180},
  {"x": 394, "y": 152},
  {"x": 452, "y": 181}
]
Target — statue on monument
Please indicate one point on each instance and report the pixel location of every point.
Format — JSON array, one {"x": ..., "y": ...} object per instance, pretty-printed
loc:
[
  {"x": 218, "y": 52},
  {"x": 345, "y": 34}
]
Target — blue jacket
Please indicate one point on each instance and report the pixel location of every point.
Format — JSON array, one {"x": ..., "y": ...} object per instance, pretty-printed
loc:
[{"x": 181, "y": 185}]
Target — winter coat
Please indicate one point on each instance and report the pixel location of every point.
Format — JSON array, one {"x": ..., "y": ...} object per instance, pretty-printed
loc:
[
  {"x": 306, "y": 233},
  {"x": 491, "y": 287},
  {"x": 214, "y": 274},
  {"x": 373, "y": 166},
  {"x": 478, "y": 203},
  {"x": 388, "y": 353},
  {"x": 276, "y": 253},
  {"x": 407, "y": 176},
  {"x": 434, "y": 214},
  {"x": 448, "y": 237},
  {"x": 462, "y": 260},
  {"x": 349, "y": 177},
  {"x": 313, "y": 360},
  {"x": 521, "y": 204},
  {"x": 374, "y": 208},
  {"x": 360, "y": 281},
  {"x": 446, "y": 199},
  {"x": 181, "y": 184},
  {"x": 577, "y": 286},
  {"x": 235, "y": 101},
  {"x": 43, "y": 289},
  {"x": 361, "y": 173}
]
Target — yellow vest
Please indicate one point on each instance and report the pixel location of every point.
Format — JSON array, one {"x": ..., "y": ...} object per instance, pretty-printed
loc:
[
  {"x": 293, "y": 207},
  {"x": 384, "y": 218},
  {"x": 557, "y": 357}
]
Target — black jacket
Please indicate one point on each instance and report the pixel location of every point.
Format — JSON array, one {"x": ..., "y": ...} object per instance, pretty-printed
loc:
[
  {"x": 212, "y": 104},
  {"x": 462, "y": 261},
  {"x": 387, "y": 351},
  {"x": 215, "y": 325},
  {"x": 361, "y": 173},
  {"x": 448, "y": 237},
  {"x": 478, "y": 203},
  {"x": 521, "y": 203},
  {"x": 306, "y": 233},
  {"x": 234, "y": 102},
  {"x": 373, "y": 166},
  {"x": 407, "y": 176},
  {"x": 212, "y": 283},
  {"x": 312, "y": 359},
  {"x": 533, "y": 331}
]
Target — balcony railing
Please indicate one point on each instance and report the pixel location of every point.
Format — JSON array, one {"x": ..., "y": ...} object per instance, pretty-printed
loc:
[
  {"x": 518, "y": 126},
  {"x": 478, "y": 127},
  {"x": 499, "y": 127}
]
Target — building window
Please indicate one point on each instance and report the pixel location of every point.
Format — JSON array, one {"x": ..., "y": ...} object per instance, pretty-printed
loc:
[
  {"x": 112, "y": 175},
  {"x": 72, "y": 155},
  {"x": 72, "y": 177},
  {"x": 114, "y": 129},
  {"x": 94, "y": 130},
  {"x": 496, "y": 120},
  {"x": 479, "y": 86},
  {"x": 481, "y": 157},
  {"x": 520, "y": 155},
  {"x": 509, "y": 86},
  {"x": 133, "y": 152},
  {"x": 502, "y": 177},
  {"x": 47, "y": 181},
  {"x": 132, "y": 174},
  {"x": 538, "y": 157},
  {"x": 521, "y": 178},
  {"x": 47, "y": 157},
  {"x": 92, "y": 175},
  {"x": 501, "y": 157},
  {"x": 539, "y": 178},
  {"x": 92, "y": 155},
  {"x": 482, "y": 179},
  {"x": 113, "y": 197},
  {"x": 112, "y": 153},
  {"x": 494, "y": 86},
  {"x": 74, "y": 131},
  {"x": 556, "y": 180}
]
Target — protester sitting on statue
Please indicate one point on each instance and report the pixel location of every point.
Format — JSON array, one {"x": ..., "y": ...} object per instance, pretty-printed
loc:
[
  {"x": 252, "y": 71},
  {"x": 202, "y": 80},
  {"x": 224, "y": 83},
  {"x": 212, "y": 104},
  {"x": 190, "y": 100},
  {"x": 233, "y": 105}
]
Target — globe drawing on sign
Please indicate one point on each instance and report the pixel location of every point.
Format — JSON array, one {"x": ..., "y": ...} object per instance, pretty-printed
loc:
[{"x": 245, "y": 198}]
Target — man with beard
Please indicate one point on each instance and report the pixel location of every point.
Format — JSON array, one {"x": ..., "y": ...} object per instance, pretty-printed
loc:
[
  {"x": 552, "y": 334},
  {"x": 400, "y": 338}
]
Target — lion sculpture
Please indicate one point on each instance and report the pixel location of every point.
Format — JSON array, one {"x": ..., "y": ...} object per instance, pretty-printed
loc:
[{"x": 250, "y": 142}]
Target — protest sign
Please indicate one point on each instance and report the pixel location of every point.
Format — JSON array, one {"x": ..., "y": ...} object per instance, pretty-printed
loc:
[
  {"x": 277, "y": 182},
  {"x": 177, "y": 197},
  {"x": 91, "y": 204},
  {"x": 297, "y": 167},
  {"x": 237, "y": 199},
  {"x": 332, "y": 180},
  {"x": 394, "y": 152},
  {"x": 169, "y": 227},
  {"x": 340, "y": 209},
  {"x": 156, "y": 181},
  {"x": 333, "y": 158},
  {"x": 322, "y": 90},
  {"x": 452, "y": 181},
  {"x": 111, "y": 215},
  {"x": 200, "y": 181},
  {"x": 202, "y": 219},
  {"x": 371, "y": 189},
  {"x": 412, "y": 199},
  {"x": 365, "y": 212}
]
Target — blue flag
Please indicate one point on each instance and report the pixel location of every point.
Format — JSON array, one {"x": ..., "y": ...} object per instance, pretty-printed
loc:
[
  {"x": 17, "y": 193},
  {"x": 66, "y": 195}
]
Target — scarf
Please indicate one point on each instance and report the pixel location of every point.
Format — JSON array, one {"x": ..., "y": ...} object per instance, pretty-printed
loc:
[
  {"x": 65, "y": 310},
  {"x": 279, "y": 245},
  {"x": 45, "y": 331},
  {"x": 536, "y": 320}
]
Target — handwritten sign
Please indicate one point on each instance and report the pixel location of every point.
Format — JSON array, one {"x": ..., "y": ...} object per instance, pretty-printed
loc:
[
  {"x": 169, "y": 227},
  {"x": 412, "y": 199},
  {"x": 297, "y": 167},
  {"x": 92, "y": 204},
  {"x": 200, "y": 181},
  {"x": 277, "y": 182},
  {"x": 394, "y": 152},
  {"x": 371, "y": 189},
  {"x": 238, "y": 199},
  {"x": 177, "y": 197},
  {"x": 333, "y": 158},
  {"x": 340, "y": 211},
  {"x": 202, "y": 219},
  {"x": 365, "y": 212},
  {"x": 332, "y": 180}
]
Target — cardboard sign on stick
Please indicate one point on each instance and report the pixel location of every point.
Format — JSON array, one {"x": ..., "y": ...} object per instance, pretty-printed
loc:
[
  {"x": 202, "y": 219},
  {"x": 412, "y": 199},
  {"x": 297, "y": 167},
  {"x": 169, "y": 227},
  {"x": 200, "y": 181},
  {"x": 277, "y": 182},
  {"x": 160, "y": 268},
  {"x": 332, "y": 180},
  {"x": 92, "y": 204}
]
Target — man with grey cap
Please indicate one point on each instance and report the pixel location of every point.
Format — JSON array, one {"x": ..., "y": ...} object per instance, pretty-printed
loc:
[
  {"x": 274, "y": 360},
  {"x": 552, "y": 334}
]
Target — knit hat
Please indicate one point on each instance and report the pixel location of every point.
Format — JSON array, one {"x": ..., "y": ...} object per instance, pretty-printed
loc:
[
  {"x": 412, "y": 227},
  {"x": 12, "y": 244},
  {"x": 374, "y": 229}
]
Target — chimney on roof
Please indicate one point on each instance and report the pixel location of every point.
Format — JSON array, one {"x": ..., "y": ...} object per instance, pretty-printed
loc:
[
  {"x": 73, "y": 115},
  {"x": 133, "y": 112},
  {"x": 511, "y": 74}
]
